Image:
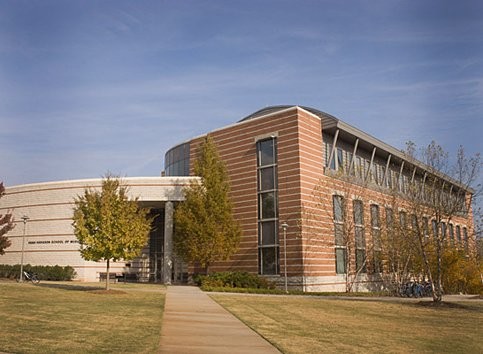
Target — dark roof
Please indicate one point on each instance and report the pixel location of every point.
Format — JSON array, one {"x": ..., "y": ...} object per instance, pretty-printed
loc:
[{"x": 273, "y": 109}]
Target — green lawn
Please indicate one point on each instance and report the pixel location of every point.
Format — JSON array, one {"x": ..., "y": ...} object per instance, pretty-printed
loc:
[
  {"x": 75, "y": 318},
  {"x": 317, "y": 325}
]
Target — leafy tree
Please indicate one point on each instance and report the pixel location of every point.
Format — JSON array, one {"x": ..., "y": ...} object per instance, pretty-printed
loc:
[
  {"x": 6, "y": 224},
  {"x": 109, "y": 225},
  {"x": 205, "y": 230}
]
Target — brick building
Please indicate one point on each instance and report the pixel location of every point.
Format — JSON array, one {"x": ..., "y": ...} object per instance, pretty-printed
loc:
[
  {"x": 297, "y": 165},
  {"x": 288, "y": 165}
]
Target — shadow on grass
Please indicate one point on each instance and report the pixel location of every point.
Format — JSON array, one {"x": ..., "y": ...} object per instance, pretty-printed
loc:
[
  {"x": 447, "y": 305},
  {"x": 73, "y": 287}
]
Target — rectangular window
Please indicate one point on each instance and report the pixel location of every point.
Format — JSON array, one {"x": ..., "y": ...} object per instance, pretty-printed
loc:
[
  {"x": 359, "y": 167},
  {"x": 266, "y": 152},
  {"x": 403, "y": 220},
  {"x": 443, "y": 231},
  {"x": 376, "y": 238},
  {"x": 392, "y": 264},
  {"x": 451, "y": 234},
  {"x": 340, "y": 260},
  {"x": 358, "y": 209},
  {"x": 458, "y": 235},
  {"x": 388, "y": 178},
  {"x": 425, "y": 226},
  {"x": 434, "y": 225},
  {"x": 268, "y": 243},
  {"x": 267, "y": 205},
  {"x": 465, "y": 238},
  {"x": 339, "y": 234},
  {"x": 340, "y": 159},
  {"x": 266, "y": 178}
]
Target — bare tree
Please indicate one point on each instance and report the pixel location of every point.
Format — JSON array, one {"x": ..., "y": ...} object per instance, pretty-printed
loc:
[
  {"x": 349, "y": 237},
  {"x": 433, "y": 201}
]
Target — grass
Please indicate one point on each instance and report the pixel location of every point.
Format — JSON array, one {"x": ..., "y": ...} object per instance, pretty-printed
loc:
[
  {"x": 317, "y": 325},
  {"x": 56, "y": 317}
]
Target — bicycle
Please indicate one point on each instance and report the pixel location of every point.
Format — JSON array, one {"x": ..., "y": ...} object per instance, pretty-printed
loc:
[{"x": 30, "y": 277}]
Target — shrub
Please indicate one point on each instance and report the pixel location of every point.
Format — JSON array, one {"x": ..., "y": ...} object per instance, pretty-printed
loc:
[
  {"x": 56, "y": 272},
  {"x": 232, "y": 280}
]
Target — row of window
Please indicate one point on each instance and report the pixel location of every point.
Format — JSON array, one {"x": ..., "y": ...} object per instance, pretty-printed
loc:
[
  {"x": 391, "y": 176},
  {"x": 458, "y": 236},
  {"x": 177, "y": 161},
  {"x": 268, "y": 244}
]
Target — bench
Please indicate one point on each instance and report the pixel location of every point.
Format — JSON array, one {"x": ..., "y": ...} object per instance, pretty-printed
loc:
[{"x": 112, "y": 277}]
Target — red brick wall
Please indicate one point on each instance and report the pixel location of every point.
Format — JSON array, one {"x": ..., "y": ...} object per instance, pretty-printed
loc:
[{"x": 310, "y": 243}]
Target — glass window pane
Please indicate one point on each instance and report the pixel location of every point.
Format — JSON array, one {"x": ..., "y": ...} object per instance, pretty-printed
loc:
[
  {"x": 358, "y": 212},
  {"x": 338, "y": 208},
  {"x": 340, "y": 159},
  {"x": 376, "y": 235},
  {"x": 267, "y": 233},
  {"x": 435, "y": 228},
  {"x": 339, "y": 235},
  {"x": 266, "y": 152},
  {"x": 375, "y": 216},
  {"x": 267, "y": 179},
  {"x": 340, "y": 256},
  {"x": 360, "y": 239},
  {"x": 377, "y": 262},
  {"x": 268, "y": 260},
  {"x": 451, "y": 234},
  {"x": 360, "y": 260},
  {"x": 267, "y": 205}
]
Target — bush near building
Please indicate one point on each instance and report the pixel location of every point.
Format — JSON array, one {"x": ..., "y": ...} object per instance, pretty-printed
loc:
[
  {"x": 55, "y": 273},
  {"x": 232, "y": 280}
]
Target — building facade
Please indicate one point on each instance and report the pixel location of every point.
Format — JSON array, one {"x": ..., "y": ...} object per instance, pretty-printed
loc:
[
  {"x": 47, "y": 237},
  {"x": 298, "y": 165},
  {"x": 309, "y": 191}
]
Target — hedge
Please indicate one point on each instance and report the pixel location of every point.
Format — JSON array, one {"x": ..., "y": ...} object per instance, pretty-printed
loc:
[
  {"x": 232, "y": 280},
  {"x": 43, "y": 272}
]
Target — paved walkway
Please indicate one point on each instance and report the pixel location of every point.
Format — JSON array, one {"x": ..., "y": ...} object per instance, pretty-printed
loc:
[{"x": 194, "y": 323}]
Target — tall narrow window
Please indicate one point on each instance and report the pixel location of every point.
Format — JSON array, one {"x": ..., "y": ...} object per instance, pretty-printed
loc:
[
  {"x": 425, "y": 227},
  {"x": 458, "y": 235},
  {"x": 340, "y": 236},
  {"x": 434, "y": 224},
  {"x": 359, "y": 167},
  {"x": 359, "y": 236},
  {"x": 340, "y": 160},
  {"x": 443, "y": 231},
  {"x": 465, "y": 238},
  {"x": 376, "y": 239},
  {"x": 390, "y": 238},
  {"x": 403, "y": 221},
  {"x": 451, "y": 234},
  {"x": 268, "y": 243}
]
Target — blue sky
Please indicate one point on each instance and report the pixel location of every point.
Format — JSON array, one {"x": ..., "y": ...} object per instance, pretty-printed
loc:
[{"x": 92, "y": 86}]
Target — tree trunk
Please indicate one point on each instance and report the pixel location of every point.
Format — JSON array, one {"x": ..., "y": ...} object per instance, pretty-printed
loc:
[
  {"x": 438, "y": 294},
  {"x": 107, "y": 275}
]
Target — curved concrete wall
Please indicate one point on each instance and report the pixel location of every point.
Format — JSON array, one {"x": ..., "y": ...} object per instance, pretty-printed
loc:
[{"x": 49, "y": 237}]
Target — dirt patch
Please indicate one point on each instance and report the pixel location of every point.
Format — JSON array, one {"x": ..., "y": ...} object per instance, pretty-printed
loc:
[{"x": 108, "y": 292}]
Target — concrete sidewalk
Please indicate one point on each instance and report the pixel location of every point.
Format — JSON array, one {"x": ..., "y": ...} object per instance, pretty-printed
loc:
[{"x": 194, "y": 323}]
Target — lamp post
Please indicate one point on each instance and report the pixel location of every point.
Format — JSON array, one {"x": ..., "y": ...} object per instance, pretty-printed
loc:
[
  {"x": 24, "y": 218},
  {"x": 284, "y": 227}
]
